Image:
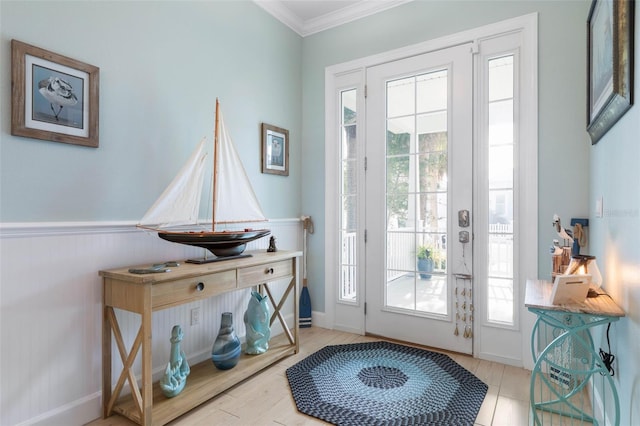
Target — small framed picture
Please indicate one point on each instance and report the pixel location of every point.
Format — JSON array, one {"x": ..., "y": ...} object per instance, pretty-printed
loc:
[
  {"x": 275, "y": 150},
  {"x": 53, "y": 97}
]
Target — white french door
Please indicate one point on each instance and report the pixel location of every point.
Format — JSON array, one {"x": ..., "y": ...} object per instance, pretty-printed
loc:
[
  {"x": 419, "y": 199},
  {"x": 403, "y": 177}
]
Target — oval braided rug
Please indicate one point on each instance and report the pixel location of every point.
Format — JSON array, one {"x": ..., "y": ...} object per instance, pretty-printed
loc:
[{"x": 382, "y": 383}]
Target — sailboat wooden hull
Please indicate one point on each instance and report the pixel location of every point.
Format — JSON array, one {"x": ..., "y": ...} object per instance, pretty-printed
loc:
[{"x": 221, "y": 244}]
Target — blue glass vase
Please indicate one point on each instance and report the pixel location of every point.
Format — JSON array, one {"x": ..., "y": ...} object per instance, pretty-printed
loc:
[
  {"x": 226, "y": 348},
  {"x": 256, "y": 320}
]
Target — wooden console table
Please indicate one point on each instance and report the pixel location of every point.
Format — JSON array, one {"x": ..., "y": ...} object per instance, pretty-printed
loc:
[{"x": 144, "y": 294}]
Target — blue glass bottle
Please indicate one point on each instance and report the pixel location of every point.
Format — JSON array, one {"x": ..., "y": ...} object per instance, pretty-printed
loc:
[
  {"x": 256, "y": 321},
  {"x": 226, "y": 348}
]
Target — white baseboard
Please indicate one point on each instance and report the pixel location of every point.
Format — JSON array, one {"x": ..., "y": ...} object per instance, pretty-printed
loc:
[
  {"x": 347, "y": 329},
  {"x": 319, "y": 319},
  {"x": 78, "y": 412},
  {"x": 515, "y": 362}
]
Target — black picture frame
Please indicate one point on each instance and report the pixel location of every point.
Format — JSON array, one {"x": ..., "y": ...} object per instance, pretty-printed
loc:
[{"x": 610, "y": 62}]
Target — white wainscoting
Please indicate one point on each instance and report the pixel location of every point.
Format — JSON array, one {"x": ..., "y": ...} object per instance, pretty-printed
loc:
[{"x": 51, "y": 313}]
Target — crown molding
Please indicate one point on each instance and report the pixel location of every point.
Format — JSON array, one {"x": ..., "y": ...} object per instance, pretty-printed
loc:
[
  {"x": 283, "y": 14},
  {"x": 330, "y": 20},
  {"x": 349, "y": 14}
]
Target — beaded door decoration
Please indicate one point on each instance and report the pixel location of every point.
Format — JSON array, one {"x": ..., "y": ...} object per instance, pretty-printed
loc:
[{"x": 464, "y": 306}]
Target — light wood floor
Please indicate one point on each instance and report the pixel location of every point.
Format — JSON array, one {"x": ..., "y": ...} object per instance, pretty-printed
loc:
[{"x": 266, "y": 399}]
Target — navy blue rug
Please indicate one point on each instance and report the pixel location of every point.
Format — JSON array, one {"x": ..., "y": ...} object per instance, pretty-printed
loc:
[{"x": 382, "y": 383}]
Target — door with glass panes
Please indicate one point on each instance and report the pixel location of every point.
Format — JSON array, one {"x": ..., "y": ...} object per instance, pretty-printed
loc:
[{"x": 419, "y": 198}]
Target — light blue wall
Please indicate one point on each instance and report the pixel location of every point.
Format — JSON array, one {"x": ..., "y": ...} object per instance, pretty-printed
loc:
[
  {"x": 563, "y": 142},
  {"x": 162, "y": 65},
  {"x": 615, "y": 239},
  {"x": 572, "y": 173}
]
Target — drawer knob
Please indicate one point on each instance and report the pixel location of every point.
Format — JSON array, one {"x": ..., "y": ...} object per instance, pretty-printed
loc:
[
  {"x": 200, "y": 286},
  {"x": 269, "y": 271}
]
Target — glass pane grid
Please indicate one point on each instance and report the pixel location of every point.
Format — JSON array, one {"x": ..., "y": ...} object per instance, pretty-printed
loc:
[
  {"x": 500, "y": 298},
  {"x": 349, "y": 140},
  {"x": 348, "y": 289},
  {"x": 349, "y": 177},
  {"x": 500, "y": 255},
  {"x": 349, "y": 101},
  {"x": 401, "y": 97},
  {"x": 411, "y": 291},
  {"x": 501, "y": 122},
  {"x": 501, "y": 78},
  {"x": 416, "y": 193},
  {"x": 500, "y": 250}
]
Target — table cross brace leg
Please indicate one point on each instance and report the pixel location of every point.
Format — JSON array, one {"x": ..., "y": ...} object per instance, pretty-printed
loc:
[
  {"x": 127, "y": 361},
  {"x": 279, "y": 307}
]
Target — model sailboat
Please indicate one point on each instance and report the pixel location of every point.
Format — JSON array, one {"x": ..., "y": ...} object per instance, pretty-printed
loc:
[{"x": 234, "y": 200}]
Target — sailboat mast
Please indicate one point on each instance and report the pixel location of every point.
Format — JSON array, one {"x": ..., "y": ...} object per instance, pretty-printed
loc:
[{"x": 215, "y": 167}]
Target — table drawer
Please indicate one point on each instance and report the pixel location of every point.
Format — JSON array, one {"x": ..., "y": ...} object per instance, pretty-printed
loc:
[
  {"x": 255, "y": 275},
  {"x": 174, "y": 293}
]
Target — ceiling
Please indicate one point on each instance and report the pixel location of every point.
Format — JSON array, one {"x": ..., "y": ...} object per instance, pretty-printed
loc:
[{"x": 311, "y": 16}]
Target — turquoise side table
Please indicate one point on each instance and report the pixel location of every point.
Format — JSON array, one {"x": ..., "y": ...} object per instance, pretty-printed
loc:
[{"x": 569, "y": 378}]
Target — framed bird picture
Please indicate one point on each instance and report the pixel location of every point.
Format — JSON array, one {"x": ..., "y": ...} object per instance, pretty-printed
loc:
[{"x": 53, "y": 97}]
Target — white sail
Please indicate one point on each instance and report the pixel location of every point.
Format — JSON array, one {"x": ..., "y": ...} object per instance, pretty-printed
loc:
[
  {"x": 237, "y": 202},
  {"x": 179, "y": 204}
]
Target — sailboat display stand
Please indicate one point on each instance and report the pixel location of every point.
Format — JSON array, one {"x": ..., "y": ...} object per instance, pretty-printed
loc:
[
  {"x": 206, "y": 259},
  {"x": 174, "y": 215}
]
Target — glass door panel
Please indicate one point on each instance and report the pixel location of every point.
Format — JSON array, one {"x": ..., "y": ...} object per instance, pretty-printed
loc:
[{"x": 409, "y": 109}]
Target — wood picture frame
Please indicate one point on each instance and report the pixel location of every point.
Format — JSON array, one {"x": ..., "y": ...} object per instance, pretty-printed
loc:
[
  {"x": 610, "y": 27},
  {"x": 53, "y": 97},
  {"x": 275, "y": 150}
]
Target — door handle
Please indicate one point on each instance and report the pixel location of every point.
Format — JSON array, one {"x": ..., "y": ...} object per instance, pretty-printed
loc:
[{"x": 463, "y": 218}]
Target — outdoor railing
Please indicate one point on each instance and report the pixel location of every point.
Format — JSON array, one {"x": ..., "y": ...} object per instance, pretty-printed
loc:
[{"x": 401, "y": 256}]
